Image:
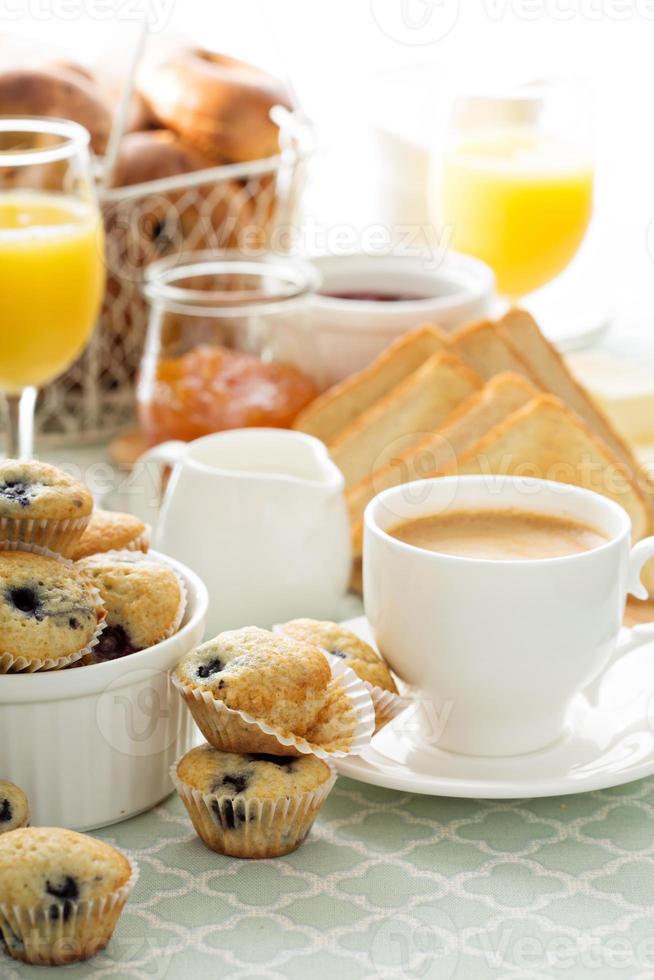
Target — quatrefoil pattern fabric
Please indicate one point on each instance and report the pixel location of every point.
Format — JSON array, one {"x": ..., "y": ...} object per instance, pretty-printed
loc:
[{"x": 391, "y": 885}]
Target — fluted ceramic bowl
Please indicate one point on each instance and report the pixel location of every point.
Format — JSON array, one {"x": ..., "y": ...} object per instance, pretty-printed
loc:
[{"x": 94, "y": 745}]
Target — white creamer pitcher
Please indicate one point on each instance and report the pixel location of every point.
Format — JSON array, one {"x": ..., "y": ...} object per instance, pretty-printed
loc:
[{"x": 260, "y": 515}]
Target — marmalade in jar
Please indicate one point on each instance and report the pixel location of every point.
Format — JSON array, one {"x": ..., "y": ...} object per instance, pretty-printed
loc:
[{"x": 213, "y": 388}]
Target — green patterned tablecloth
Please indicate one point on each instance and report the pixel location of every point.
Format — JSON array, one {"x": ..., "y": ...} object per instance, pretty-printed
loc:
[
  {"x": 391, "y": 885},
  {"x": 399, "y": 886}
]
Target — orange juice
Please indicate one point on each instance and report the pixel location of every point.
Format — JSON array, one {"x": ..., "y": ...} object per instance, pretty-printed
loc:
[
  {"x": 519, "y": 200},
  {"x": 51, "y": 284}
]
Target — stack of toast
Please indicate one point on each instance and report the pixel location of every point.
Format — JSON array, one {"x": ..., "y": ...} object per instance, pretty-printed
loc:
[{"x": 492, "y": 397}]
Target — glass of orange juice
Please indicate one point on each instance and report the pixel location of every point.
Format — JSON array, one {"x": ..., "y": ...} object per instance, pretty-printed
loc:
[
  {"x": 51, "y": 262},
  {"x": 514, "y": 181}
]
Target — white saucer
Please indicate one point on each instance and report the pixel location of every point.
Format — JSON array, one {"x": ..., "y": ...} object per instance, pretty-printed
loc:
[{"x": 604, "y": 746}]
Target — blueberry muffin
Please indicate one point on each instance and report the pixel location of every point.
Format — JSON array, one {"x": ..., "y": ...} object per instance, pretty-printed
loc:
[
  {"x": 342, "y": 643},
  {"x": 61, "y": 894},
  {"x": 144, "y": 599},
  {"x": 14, "y": 808},
  {"x": 275, "y": 680},
  {"x": 42, "y": 505},
  {"x": 110, "y": 531},
  {"x": 252, "y": 806},
  {"x": 50, "y": 612}
]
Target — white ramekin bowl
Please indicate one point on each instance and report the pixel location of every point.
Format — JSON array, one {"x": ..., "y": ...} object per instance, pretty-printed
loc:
[
  {"x": 340, "y": 336},
  {"x": 94, "y": 745}
]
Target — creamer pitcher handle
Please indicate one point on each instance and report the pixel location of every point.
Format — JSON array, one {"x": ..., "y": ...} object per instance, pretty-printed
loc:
[
  {"x": 151, "y": 464},
  {"x": 638, "y": 636}
]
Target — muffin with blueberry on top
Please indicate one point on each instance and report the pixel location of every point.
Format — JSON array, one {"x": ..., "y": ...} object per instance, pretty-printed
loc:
[
  {"x": 41, "y": 505},
  {"x": 14, "y": 807},
  {"x": 61, "y": 894},
  {"x": 343, "y": 644},
  {"x": 283, "y": 685},
  {"x": 252, "y": 805},
  {"x": 50, "y": 613},
  {"x": 144, "y": 599},
  {"x": 340, "y": 642}
]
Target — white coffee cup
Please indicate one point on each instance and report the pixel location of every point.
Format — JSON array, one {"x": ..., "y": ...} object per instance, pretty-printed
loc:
[{"x": 498, "y": 648}]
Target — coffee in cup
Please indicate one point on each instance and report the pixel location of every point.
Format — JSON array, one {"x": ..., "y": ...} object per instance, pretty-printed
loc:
[{"x": 508, "y": 534}]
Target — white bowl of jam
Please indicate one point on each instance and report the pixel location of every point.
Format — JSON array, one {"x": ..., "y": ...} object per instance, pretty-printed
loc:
[{"x": 367, "y": 301}]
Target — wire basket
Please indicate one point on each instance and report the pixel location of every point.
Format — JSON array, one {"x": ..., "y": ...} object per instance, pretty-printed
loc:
[{"x": 250, "y": 206}]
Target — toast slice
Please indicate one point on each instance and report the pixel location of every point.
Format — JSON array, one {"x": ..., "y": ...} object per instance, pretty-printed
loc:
[
  {"x": 489, "y": 352},
  {"x": 332, "y": 411},
  {"x": 520, "y": 329},
  {"x": 356, "y": 579},
  {"x": 545, "y": 439},
  {"x": 477, "y": 415},
  {"x": 403, "y": 417}
]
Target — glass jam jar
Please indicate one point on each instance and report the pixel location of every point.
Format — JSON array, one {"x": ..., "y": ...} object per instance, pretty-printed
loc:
[{"x": 209, "y": 361}]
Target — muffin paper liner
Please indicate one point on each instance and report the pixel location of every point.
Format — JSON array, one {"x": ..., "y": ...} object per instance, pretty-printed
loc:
[
  {"x": 10, "y": 664},
  {"x": 35, "y": 936},
  {"x": 137, "y": 557},
  {"x": 387, "y": 704},
  {"x": 252, "y": 828},
  {"x": 183, "y": 602},
  {"x": 58, "y": 536},
  {"x": 236, "y": 731}
]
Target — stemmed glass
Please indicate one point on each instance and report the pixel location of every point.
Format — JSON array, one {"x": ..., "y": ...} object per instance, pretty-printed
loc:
[
  {"x": 514, "y": 180},
  {"x": 51, "y": 262}
]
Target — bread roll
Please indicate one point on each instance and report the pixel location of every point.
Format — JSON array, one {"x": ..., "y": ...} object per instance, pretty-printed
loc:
[{"x": 60, "y": 93}]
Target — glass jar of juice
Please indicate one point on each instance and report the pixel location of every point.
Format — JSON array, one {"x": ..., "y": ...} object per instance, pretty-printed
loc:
[{"x": 210, "y": 359}]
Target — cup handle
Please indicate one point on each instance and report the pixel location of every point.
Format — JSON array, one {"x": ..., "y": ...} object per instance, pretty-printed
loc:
[
  {"x": 165, "y": 454},
  {"x": 637, "y": 636}
]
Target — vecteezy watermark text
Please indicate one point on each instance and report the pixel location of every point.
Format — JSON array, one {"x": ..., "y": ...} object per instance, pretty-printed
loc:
[
  {"x": 155, "y": 12},
  {"x": 565, "y": 952},
  {"x": 565, "y": 10},
  {"x": 140, "y": 232},
  {"x": 424, "y": 22},
  {"x": 415, "y": 22}
]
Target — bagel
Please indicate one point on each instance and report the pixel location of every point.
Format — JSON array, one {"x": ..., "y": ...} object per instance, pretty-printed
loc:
[
  {"x": 60, "y": 93},
  {"x": 216, "y": 104}
]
